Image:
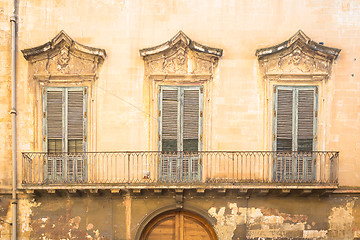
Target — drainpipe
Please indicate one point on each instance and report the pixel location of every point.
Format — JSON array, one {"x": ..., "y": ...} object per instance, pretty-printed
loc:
[{"x": 13, "y": 20}]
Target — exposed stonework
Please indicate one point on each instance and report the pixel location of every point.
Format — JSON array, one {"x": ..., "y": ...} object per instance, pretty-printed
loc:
[
  {"x": 269, "y": 223},
  {"x": 341, "y": 221},
  {"x": 227, "y": 223},
  {"x": 5, "y": 217}
]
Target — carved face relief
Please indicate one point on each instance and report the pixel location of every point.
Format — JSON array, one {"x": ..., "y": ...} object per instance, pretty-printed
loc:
[
  {"x": 63, "y": 60},
  {"x": 296, "y": 57}
]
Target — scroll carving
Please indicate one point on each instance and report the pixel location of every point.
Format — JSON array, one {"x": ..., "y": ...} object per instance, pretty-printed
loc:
[
  {"x": 203, "y": 66},
  {"x": 62, "y": 57},
  {"x": 64, "y": 62},
  {"x": 297, "y": 62},
  {"x": 180, "y": 56},
  {"x": 179, "y": 64}
]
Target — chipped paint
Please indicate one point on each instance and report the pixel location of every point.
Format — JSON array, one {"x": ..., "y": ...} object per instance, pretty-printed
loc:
[
  {"x": 341, "y": 221},
  {"x": 341, "y": 218},
  {"x": 263, "y": 223},
  {"x": 226, "y": 224},
  {"x": 25, "y": 212},
  {"x": 5, "y": 227},
  {"x": 313, "y": 234}
]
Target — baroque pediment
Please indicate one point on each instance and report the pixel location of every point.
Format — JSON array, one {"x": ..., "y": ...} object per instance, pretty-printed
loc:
[
  {"x": 180, "y": 56},
  {"x": 62, "y": 56},
  {"x": 297, "y": 56}
]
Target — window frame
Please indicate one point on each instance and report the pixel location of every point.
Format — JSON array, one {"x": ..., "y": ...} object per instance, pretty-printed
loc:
[
  {"x": 180, "y": 134},
  {"x": 65, "y": 90},
  {"x": 295, "y": 89},
  {"x": 65, "y": 166}
]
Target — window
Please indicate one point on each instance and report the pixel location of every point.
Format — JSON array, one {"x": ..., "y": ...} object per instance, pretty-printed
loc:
[
  {"x": 295, "y": 118},
  {"x": 65, "y": 132},
  {"x": 180, "y": 130}
]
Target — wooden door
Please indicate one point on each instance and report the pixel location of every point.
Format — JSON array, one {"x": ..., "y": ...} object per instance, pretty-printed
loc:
[{"x": 178, "y": 225}]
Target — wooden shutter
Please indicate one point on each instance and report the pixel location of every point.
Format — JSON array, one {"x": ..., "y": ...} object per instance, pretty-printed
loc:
[
  {"x": 75, "y": 124},
  {"x": 191, "y": 120},
  {"x": 180, "y": 109},
  {"x": 305, "y": 133},
  {"x": 295, "y": 118},
  {"x": 54, "y": 113},
  {"x": 64, "y": 131},
  {"x": 284, "y": 119},
  {"x": 305, "y": 120},
  {"x": 53, "y": 134},
  {"x": 169, "y": 120}
]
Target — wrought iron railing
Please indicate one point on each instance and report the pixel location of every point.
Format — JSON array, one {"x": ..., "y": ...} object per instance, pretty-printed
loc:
[{"x": 210, "y": 167}]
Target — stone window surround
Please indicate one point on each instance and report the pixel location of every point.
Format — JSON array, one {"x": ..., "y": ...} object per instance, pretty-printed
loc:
[
  {"x": 298, "y": 61},
  {"x": 179, "y": 62},
  {"x": 63, "y": 62}
]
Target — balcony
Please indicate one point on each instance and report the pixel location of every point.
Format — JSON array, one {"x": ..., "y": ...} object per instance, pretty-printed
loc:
[{"x": 210, "y": 169}]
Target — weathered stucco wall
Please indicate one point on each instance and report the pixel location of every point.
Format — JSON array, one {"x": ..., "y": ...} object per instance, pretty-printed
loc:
[
  {"x": 238, "y": 27},
  {"x": 109, "y": 216},
  {"x": 5, "y": 94},
  {"x": 123, "y": 112}
]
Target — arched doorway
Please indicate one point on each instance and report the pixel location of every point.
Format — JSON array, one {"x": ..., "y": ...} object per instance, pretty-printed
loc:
[{"x": 178, "y": 225}]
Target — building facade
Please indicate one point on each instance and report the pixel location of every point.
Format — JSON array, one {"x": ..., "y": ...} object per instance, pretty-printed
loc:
[{"x": 180, "y": 119}]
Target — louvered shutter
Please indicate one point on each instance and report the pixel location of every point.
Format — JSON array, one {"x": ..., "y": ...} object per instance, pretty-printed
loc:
[
  {"x": 284, "y": 133},
  {"x": 64, "y": 131},
  {"x": 75, "y": 133},
  {"x": 75, "y": 121},
  {"x": 305, "y": 136},
  {"x": 169, "y": 113},
  {"x": 305, "y": 120},
  {"x": 169, "y": 120},
  {"x": 284, "y": 116},
  {"x": 180, "y": 131},
  {"x": 191, "y": 120},
  {"x": 54, "y": 114},
  {"x": 295, "y": 130},
  {"x": 53, "y": 132}
]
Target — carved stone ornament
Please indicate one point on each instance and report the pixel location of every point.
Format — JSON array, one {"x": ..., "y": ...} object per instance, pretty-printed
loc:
[
  {"x": 298, "y": 56},
  {"x": 180, "y": 56},
  {"x": 62, "y": 58}
]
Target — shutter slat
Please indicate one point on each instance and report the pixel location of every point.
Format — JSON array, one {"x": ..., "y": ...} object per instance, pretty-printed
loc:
[
  {"x": 54, "y": 114},
  {"x": 284, "y": 120},
  {"x": 75, "y": 115}
]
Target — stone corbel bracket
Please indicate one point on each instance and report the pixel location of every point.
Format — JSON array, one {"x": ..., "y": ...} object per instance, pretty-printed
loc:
[
  {"x": 62, "y": 59},
  {"x": 180, "y": 58},
  {"x": 298, "y": 58}
]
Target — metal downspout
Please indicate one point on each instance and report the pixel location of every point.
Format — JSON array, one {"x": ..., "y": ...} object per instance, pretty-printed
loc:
[{"x": 13, "y": 20}]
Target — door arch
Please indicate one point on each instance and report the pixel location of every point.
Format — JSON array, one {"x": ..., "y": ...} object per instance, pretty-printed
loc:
[{"x": 178, "y": 225}]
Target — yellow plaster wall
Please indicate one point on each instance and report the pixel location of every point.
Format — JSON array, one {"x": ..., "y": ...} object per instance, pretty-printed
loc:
[
  {"x": 122, "y": 27},
  {"x": 5, "y": 94}
]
